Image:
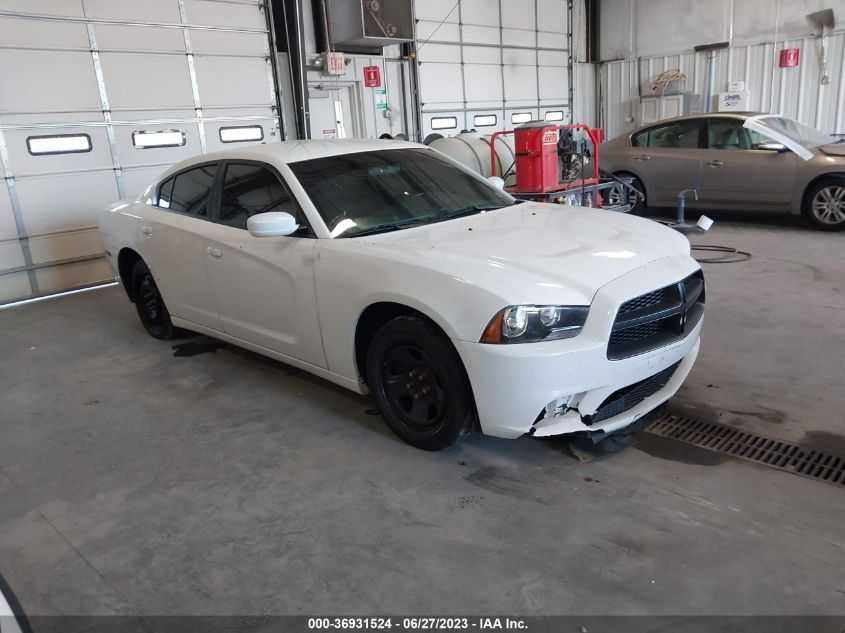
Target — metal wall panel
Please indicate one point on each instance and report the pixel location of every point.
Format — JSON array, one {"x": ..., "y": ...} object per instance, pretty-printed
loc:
[
  {"x": 492, "y": 57},
  {"x": 795, "y": 92},
  {"x": 108, "y": 68}
]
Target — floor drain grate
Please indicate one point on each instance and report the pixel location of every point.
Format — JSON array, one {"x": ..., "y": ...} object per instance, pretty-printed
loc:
[{"x": 760, "y": 449}]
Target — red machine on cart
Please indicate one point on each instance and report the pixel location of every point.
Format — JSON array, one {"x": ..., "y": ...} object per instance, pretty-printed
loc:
[{"x": 552, "y": 165}]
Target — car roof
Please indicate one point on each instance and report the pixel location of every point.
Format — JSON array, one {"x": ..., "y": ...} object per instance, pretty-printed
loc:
[
  {"x": 293, "y": 151},
  {"x": 702, "y": 115}
]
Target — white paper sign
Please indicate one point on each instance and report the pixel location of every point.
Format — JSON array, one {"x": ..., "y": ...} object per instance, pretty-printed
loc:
[{"x": 736, "y": 101}]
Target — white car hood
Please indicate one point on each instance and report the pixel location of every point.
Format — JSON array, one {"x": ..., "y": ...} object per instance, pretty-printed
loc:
[{"x": 534, "y": 252}]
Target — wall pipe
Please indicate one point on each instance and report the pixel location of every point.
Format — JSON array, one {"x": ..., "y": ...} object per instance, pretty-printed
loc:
[{"x": 296, "y": 62}]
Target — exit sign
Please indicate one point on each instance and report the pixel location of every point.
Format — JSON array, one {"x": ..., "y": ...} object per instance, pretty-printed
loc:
[
  {"x": 789, "y": 57},
  {"x": 372, "y": 76}
]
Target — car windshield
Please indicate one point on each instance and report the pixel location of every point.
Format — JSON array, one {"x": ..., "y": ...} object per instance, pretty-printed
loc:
[
  {"x": 386, "y": 190},
  {"x": 798, "y": 132}
]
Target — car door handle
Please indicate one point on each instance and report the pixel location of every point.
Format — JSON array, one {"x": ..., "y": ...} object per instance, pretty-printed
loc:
[
  {"x": 216, "y": 253},
  {"x": 147, "y": 231},
  {"x": 642, "y": 157},
  {"x": 714, "y": 163}
]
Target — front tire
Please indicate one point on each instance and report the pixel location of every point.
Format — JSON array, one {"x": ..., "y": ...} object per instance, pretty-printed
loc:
[
  {"x": 824, "y": 204},
  {"x": 419, "y": 383},
  {"x": 638, "y": 204},
  {"x": 150, "y": 306}
]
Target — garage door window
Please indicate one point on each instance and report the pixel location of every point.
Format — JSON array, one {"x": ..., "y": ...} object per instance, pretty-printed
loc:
[
  {"x": 682, "y": 134},
  {"x": 58, "y": 144},
  {"x": 161, "y": 138},
  {"x": 189, "y": 191},
  {"x": 252, "y": 189},
  {"x": 241, "y": 133},
  {"x": 444, "y": 123}
]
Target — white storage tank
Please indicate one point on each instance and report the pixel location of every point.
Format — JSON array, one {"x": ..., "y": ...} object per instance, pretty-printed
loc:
[{"x": 472, "y": 150}]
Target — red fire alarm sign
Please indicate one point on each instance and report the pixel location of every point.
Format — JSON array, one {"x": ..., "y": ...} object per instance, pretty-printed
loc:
[
  {"x": 789, "y": 57},
  {"x": 372, "y": 76}
]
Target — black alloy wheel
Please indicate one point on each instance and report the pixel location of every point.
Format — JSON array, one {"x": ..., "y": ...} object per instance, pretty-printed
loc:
[
  {"x": 149, "y": 304},
  {"x": 419, "y": 383}
]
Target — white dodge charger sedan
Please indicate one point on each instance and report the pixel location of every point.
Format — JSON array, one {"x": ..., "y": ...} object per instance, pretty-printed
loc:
[{"x": 385, "y": 266}]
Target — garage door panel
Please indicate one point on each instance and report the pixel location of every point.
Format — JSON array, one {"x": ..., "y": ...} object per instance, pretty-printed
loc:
[
  {"x": 553, "y": 84},
  {"x": 446, "y": 32},
  {"x": 440, "y": 53},
  {"x": 146, "y": 38},
  {"x": 553, "y": 58},
  {"x": 17, "y": 32},
  {"x": 551, "y": 40},
  {"x": 483, "y": 83},
  {"x": 33, "y": 81},
  {"x": 233, "y": 43},
  {"x": 24, "y": 163},
  {"x": 134, "y": 11},
  {"x": 435, "y": 10},
  {"x": 56, "y": 278},
  {"x": 440, "y": 83},
  {"x": 50, "y": 248},
  {"x": 480, "y": 35},
  {"x": 481, "y": 55},
  {"x": 14, "y": 286},
  {"x": 146, "y": 81},
  {"x": 552, "y": 16},
  {"x": 518, "y": 56},
  {"x": 484, "y": 12},
  {"x": 67, "y": 8},
  {"x": 516, "y": 14},
  {"x": 68, "y": 201},
  {"x": 515, "y": 37},
  {"x": 231, "y": 81},
  {"x": 8, "y": 228},
  {"x": 11, "y": 255},
  {"x": 137, "y": 179},
  {"x": 520, "y": 83},
  {"x": 210, "y": 13}
]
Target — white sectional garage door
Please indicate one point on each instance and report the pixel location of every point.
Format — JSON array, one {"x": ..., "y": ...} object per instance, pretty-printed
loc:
[
  {"x": 99, "y": 96},
  {"x": 492, "y": 64}
]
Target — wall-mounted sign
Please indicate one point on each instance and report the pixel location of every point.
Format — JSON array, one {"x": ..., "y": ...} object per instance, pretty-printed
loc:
[
  {"x": 372, "y": 76},
  {"x": 335, "y": 63},
  {"x": 381, "y": 99},
  {"x": 789, "y": 57},
  {"x": 736, "y": 101},
  {"x": 330, "y": 132}
]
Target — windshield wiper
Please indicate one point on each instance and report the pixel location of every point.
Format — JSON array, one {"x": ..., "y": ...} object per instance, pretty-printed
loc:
[
  {"x": 473, "y": 209},
  {"x": 386, "y": 227}
]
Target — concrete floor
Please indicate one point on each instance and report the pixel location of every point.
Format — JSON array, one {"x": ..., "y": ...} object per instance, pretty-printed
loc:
[{"x": 133, "y": 481}]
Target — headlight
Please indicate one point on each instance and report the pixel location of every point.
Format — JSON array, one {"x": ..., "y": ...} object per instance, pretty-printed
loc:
[{"x": 530, "y": 323}]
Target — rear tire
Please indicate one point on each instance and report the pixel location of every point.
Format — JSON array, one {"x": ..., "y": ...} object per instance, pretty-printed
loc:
[
  {"x": 824, "y": 204},
  {"x": 419, "y": 383},
  {"x": 150, "y": 306}
]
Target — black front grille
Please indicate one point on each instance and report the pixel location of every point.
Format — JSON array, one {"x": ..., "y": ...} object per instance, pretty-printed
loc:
[
  {"x": 644, "y": 301},
  {"x": 657, "y": 318},
  {"x": 628, "y": 397}
]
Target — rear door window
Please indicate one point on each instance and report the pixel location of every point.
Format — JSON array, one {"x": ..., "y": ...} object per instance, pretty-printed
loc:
[
  {"x": 678, "y": 134},
  {"x": 189, "y": 192}
]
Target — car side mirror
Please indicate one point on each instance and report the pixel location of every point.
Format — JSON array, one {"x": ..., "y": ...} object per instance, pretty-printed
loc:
[
  {"x": 271, "y": 224},
  {"x": 771, "y": 146},
  {"x": 496, "y": 182}
]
